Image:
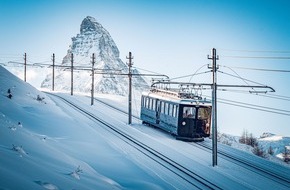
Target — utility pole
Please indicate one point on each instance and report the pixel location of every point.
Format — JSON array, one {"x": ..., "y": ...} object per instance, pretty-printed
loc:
[
  {"x": 72, "y": 62},
  {"x": 93, "y": 73},
  {"x": 130, "y": 88},
  {"x": 214, "y": 107},
  {"x": 25, "y": 59},
  {"x": 53, "y": 63}
]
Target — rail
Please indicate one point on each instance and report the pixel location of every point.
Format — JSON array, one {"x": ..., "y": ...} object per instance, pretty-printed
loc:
[
  {"x": 281, "y": 178},
  {"x": 187, "y": 175}
]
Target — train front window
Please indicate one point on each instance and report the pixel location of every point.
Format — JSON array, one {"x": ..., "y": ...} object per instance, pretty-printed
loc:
[
  {"x": 189, "y": 112},
  {"x": 204, "y": 113}
]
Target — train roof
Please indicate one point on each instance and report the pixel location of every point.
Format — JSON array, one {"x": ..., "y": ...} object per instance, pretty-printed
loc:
[{"x": 177, "y": 97}]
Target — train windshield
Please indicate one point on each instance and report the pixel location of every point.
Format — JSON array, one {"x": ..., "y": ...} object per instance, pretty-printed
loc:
[
  {"x": 204, "y": 113},
  {"x": 189, "y": 112}
]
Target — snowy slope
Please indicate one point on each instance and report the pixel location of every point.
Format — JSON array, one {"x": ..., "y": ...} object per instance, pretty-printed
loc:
[
  {"x": 31, "y": 153},
  {"x": 94, "y": 38},
  {"x": 56, "y": 147},
  {"x": 47, "y": 150}
]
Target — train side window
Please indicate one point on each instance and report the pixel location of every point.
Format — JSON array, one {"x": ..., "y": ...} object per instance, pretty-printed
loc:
[
  {"x": 150, "y": 103},
  {"x": 153, "y": 104},
  {"x": 147, "y": 102},
  {"x": 142, "y": 101},
  {"x": 166, "y": 108},
  {"x": 174, "y": 111},
  {"x": 157, "y": 105},
  {"x": 189, "y": 112},
  {"x": 170, "y": 110},
  {"x": 162, "y": 107}
]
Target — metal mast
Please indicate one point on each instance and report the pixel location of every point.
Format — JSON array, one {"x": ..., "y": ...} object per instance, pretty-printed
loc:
[
  {"x": 214, "y": 107},
  {"x": 53, "y": 64},
  {"x": 72, "y": 62},
  {"x": 130, "y": 89},
  {"x": 25, "y": 59},
  {"x": 93, "y": 74}
]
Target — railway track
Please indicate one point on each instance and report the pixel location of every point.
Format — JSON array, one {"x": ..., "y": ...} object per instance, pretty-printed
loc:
[
  {"x": 115, "y": 108},
  {"x": 195, "y": 180},
  {"x": 272, "y": 174}
]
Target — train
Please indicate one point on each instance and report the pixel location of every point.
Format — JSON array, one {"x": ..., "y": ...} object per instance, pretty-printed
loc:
[{"x": 185, "y": 117}]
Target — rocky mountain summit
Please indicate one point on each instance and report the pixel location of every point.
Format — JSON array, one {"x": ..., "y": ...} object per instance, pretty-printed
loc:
[{"x": 94, "y": 38}]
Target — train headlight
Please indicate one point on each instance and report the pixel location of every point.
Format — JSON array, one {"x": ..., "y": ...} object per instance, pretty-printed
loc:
[{"x": 183, "y": 123}]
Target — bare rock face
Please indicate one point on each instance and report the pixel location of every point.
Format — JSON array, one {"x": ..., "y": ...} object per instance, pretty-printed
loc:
[{"x": 94, "y": 38}]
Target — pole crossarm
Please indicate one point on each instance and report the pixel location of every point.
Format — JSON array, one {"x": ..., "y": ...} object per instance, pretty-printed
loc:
[
  {"x": 151, "y": 75},
  {"x": 210, "y": 84},
  {"x": 246, "y": 86},
  {"x": 180, "y": 83},
  {"x": 126, "y": 74}
]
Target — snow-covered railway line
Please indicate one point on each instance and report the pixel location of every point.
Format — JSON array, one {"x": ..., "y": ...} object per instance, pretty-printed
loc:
[
  {"x": 280, "y": 177},
  {"x": 267, "y": 171},
  {"x": 115, "y": 108},
  {"x": 190, "y": 177}
]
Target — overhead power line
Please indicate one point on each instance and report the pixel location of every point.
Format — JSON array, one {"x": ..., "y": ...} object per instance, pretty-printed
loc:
[
  {"x": 244, "y": 79},
  {"x": 259, "y": 69},
  {"x": 191, "y": 75},
  {"x": 272, "y": 96},
  {"x": 146, "y": 70},
  {"x": 254, "y": 107},
  {"x": 258, "y": 51},
  {"x": 257, "y": 57},
  {"x": 275, "y": 97}
]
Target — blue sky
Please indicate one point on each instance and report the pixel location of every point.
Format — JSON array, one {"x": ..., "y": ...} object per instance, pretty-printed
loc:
[{"x": 171, "y": 37}]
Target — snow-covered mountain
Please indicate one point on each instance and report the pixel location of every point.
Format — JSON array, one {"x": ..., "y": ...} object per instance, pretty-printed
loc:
[{"x": 94, "y": 38}]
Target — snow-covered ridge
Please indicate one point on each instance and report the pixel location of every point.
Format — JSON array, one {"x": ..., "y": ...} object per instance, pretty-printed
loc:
[
  {"x": 267, "y": 141},
  {"x": 94, "y": 38},
  {"x": 264, "y": 135}
]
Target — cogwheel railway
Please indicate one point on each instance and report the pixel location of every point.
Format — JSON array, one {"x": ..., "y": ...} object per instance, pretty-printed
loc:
[
  {"x": 281, "y": 179},
  {"x": 192, "y": 178}
]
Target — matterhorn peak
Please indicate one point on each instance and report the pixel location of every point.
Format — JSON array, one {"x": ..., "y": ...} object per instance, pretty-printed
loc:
[
  {"x": 95, "y": 39},
  {"x": 90, "y": 24}
]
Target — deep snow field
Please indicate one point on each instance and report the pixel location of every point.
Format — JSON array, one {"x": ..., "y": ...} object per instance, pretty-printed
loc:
[{"x": 46, "y": 144}]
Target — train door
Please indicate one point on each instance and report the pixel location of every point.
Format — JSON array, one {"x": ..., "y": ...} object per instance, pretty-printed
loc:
[
  {"x": 158, "y": 110},
  {"x": 187, "y": 126},
  {"x": 203, "y": 121}
]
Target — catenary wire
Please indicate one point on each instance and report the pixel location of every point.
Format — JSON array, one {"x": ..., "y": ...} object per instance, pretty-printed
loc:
[
  {"x": 256, "y": 51},
  {"x": 185, "y": 76},
  {"x": 259, "y": 69},
  {"x": 254, "y": 107},
  {"x": 241, "y": 78},
  {"x": 272, "y": 96},
  {"x": 256, "y": 57}
]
